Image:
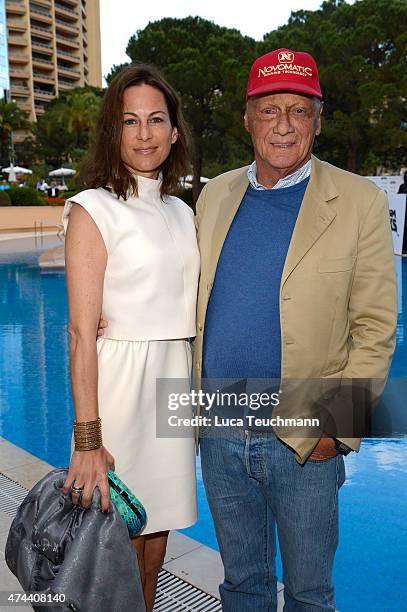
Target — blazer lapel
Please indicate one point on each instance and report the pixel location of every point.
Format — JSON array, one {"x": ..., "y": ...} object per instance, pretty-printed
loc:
[
  {"x": 227, "y": 209},
  {"x": 314, "y": 217}
]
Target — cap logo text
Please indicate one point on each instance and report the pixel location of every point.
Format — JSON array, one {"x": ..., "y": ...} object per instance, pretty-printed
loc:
[
  {"x": 285, "y": 56},
  {"x": 282, "y": 68}
]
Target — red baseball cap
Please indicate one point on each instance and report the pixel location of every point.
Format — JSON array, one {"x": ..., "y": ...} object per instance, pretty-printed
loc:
[{"x": 284, "y": 70}]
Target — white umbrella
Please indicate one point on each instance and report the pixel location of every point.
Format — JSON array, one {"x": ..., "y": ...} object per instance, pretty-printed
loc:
[
  {"x": 12, "y": 175},
  {"x": 189, "y": 179},
  {"x": 62, "y": 172},
  {"x": 17, "y": 170},
  {"x": 186, "y": 181}
]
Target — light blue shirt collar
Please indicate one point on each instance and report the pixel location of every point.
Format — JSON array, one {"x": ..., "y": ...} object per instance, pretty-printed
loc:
[{"x": 288, "y": 181}]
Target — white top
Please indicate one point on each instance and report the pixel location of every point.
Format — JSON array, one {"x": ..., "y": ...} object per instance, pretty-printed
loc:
[{"x": 152, "y": 271}]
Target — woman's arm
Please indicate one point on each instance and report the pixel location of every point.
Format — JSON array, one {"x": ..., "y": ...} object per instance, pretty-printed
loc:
[{"x": 85, "y": 261}]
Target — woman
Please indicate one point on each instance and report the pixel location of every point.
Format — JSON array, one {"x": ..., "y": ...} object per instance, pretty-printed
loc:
[{"x": 131, "y": 255}]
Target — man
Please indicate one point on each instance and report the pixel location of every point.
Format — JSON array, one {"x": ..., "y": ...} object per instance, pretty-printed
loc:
[
  {"x": 297, "y": 283},
  {"x": 403, "y": 189}
]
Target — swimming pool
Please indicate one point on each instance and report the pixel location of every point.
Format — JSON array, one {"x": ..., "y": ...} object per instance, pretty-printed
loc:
[{"x": 36, "y": 414}]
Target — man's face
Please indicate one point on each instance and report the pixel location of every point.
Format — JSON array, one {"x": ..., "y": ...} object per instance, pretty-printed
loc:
[{"x": 283, "y": 126}]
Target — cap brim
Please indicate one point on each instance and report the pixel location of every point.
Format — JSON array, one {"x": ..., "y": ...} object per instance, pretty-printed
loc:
[{"x": 284, "y": 86}]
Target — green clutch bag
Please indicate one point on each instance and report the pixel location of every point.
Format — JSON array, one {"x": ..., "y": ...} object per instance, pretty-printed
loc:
[{"x": 130, "y": 508}]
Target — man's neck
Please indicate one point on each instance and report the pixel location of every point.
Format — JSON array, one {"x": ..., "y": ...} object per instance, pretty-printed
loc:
[{"x": 269, "y": 177}]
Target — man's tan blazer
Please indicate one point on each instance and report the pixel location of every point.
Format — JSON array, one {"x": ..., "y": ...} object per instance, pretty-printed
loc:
[{"x": 338, "y": 299}]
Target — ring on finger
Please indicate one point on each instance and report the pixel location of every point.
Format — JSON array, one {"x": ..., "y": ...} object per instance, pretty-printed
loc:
[{"x": 78, "y": 490}]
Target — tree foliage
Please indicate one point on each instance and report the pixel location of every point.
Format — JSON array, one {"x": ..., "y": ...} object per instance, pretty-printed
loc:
[
  {"x": 360, "y": 50},
  {"x": 207, "y": 65},
  {"x": 65, "y": 131},
  {"x": 11, "y": 118}
]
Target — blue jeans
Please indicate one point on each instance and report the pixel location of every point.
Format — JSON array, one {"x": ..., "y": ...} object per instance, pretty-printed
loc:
[{"x": 254, "y": 487}]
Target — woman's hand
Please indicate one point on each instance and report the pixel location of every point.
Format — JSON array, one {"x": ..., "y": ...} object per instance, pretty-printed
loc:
[
  {"x": 101, "y": 326},
  {"x": 89, "y": 469}
]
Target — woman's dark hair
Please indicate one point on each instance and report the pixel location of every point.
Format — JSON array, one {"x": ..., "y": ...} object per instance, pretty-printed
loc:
[{"x": 105, "y": 167}]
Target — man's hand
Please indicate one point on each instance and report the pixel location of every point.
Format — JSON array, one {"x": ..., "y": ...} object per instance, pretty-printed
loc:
[
  {"x": 325, "y": 449},
  {"x": 101, "y": 326}
]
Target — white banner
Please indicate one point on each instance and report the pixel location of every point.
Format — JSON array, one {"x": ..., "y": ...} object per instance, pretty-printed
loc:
[
  {"x": 397, "y": 207},
  {"x": 390, "y": 184}
]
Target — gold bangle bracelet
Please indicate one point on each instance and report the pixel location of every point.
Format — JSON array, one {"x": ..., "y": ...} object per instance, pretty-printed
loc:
[
  {"x": 86, "y": 424},
  {"x": 88, "y": 434},
  {"x": 86, "y": 447}
]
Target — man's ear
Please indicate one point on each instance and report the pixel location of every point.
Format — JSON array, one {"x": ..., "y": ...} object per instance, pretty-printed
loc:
[
  {"x": 318, "y": 120},
  {"x": 246, "y": 118}
]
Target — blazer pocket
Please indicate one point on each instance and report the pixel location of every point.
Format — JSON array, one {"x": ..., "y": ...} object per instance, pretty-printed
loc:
[{"x": 340, "y": 264}]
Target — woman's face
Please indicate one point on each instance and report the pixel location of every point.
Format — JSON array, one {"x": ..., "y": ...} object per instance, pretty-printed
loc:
[{"x": 147, "y": 133}]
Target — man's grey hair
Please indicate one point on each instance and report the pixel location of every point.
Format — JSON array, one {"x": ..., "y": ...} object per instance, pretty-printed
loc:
[{"x": 317, "y": 103}]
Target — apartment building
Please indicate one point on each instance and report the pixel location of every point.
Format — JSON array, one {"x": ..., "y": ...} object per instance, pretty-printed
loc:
[
  {"x": 4, "y": 78},
  {"x": 53, "y": 46}
]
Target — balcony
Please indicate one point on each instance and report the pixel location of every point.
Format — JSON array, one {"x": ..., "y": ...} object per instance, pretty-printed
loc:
[
  {"x": 66, "y": 12},
  {"x": 66, "y": 84},
  {"x": 21, "y": 135},
  {"x": 25, "y": 107},
  {"x": 44, "y": 78},
  {"x": 21, "y": 74},
  {"x": 37, "y": 16},
  {"x": 18, "y": 41},
  {"x": 18, "y": 87},
  {"x": 17, "y": 59},
  {"x": 68, "y": 56},
  {"x": 44, "y": 64},
  {"x": 65, "y": 26},
  {"x": 43, "y": 94},
  {"x": 42, "y": 47},
  {"x": 69, "y": 42},
  {"x": 15, "y": 7},
  {"x": 20, "y": 91},
  {"x": 19, "y": 26},
  {"x": 39, "y": 11},
  {"x": 46, "y": 33},
  {"x": 69, "y": 71}
]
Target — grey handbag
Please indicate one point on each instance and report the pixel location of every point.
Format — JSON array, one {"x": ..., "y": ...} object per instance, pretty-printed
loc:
[{"x": 58, "y": 548}]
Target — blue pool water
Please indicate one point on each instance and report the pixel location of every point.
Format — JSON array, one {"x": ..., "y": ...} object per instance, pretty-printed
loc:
[{"x": 36, "y": 414}]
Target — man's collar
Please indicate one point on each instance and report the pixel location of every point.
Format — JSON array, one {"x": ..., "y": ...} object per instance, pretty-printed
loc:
[{"x": 288, "y": 181}]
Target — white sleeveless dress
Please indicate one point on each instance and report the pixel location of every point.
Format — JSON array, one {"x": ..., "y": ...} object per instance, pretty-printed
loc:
[{"x": 149, "y": 301}]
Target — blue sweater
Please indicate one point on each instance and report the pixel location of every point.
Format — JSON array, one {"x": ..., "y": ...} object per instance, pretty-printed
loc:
[{"x": 242, "y": 326}]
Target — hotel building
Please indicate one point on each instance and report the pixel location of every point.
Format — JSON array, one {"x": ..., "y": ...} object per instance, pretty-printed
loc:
[
  {"x": 4, "y": 77},
  {"x": 53, "y": 46}
]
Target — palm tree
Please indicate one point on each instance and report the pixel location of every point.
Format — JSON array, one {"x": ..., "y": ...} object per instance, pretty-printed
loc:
[
  {"x": 11, "y": 118},
  {"x": 80, "y": 116},
  {"x": 65, "y": 130}
]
